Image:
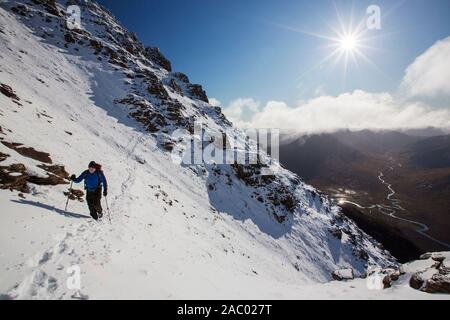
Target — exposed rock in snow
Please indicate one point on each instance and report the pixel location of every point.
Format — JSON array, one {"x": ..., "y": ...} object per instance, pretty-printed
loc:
[
  {"x": 75, "y": 194},
  {"x": 343, "y": 274},
  {"x": 14, "y": 177},
  {"x": 28, "y": 152},
  {"x": 8, "y": 91},
  {"x": 155, "y": 55},
  {"x": 435, "y": 278}
]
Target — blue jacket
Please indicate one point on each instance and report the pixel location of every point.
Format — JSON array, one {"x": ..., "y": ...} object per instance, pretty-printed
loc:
[{"x": 93, "y": 181}]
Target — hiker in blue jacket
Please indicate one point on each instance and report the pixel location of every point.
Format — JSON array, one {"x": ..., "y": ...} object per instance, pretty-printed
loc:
[{"x": 94, "y": 179}]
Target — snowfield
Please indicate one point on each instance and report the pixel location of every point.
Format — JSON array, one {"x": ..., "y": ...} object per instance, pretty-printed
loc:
[{"x": 176, "y": 231}]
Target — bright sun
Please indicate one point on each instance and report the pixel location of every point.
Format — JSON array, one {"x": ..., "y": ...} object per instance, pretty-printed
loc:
[{"x": 348, "y": 43}]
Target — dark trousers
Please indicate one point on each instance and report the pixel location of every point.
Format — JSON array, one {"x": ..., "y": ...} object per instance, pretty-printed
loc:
[{"x": 93, "y": 199}]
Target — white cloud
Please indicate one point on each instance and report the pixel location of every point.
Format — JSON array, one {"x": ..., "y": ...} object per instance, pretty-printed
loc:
[
  {"x": 214, "y": 102},
  {"x": 429, "y": 74},
  {"x": 241, "y": 110},
  {"x": 356, "y": 110}
]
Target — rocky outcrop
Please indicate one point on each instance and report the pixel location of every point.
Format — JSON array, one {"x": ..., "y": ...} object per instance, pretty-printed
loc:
[
  {"x": 8, "y": 91},
  {"x": 342, "y": 274},
  {"x": 157, "y": 89},
  {"x": 336, "y": 232},
  {"x": 439, "y": 283},
  {"x": 20, "y": 9},
  {"x": 74, "y": 194},
  {"x": 55, "y": 175},
  {"x": 176, "y": 87},
  {"x": 433, "y": 279},
  {"x": 96, "y": 45},
  {"x": 14, "y": 177},
  {"x": 49, "y": 5},
  {"x": 155, "y": 55},
  {"x": 3, "y": 156},
  {"x": 144, "y": 113},
  {"x": 28, "y": 152},
  {"x": 390, "y": 276},
  {"x": 181, "y": 76},
  {"x": 196, "y": 91}
]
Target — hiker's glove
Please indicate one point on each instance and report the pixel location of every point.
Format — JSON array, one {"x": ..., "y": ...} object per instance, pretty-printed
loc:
[
  {"x": 73, "y": 177},
  {"x": 105, "y": 193}
]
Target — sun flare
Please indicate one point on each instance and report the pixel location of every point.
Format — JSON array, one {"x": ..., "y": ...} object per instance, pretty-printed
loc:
[{"x": 348, "y": 43}]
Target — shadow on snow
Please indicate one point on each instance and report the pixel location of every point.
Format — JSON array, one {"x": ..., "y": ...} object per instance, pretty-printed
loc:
[{"x": 50, "y": 208}]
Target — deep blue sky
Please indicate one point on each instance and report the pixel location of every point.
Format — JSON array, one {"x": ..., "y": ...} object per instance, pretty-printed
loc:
[{"x": 235, "y": 48}]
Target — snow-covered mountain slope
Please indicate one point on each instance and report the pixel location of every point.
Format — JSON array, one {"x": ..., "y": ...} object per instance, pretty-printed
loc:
[{"x": 178, "y": 231}]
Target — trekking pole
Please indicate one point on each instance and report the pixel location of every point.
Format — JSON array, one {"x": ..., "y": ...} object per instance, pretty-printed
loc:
[
  {"x": 107, "y": 208},
  {"x": 70, "y": 190}
]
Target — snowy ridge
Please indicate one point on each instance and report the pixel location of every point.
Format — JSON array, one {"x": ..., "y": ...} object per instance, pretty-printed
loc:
[{"x": 178, "y": 231}]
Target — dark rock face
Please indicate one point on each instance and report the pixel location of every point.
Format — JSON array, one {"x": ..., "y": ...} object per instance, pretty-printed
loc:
[
  {"x": 221, "y": 116},
  {"x": 174, "y": 85},
  {"x": 168, "y": 145},
  {"x": 196, "y": 91},
  {"x": 248, "y": 173},
  {"x": 144, "y": 114},
  {"x": 14, "y": 177},
  {"x": 277, "y": 195},
  {"x": 181, "y": 76},
  {"x": 29, "y": 152},
  {"x": 56, "y": 170},
  {"x": 158, "y": 90},
  {"x": 75, "y": 194},
  {"x": 8, "y": 91},
  {"x": 439, "y": 282},
  {"x": 49, "y": 5},
  {"x": 425, "y": 256},
  {"x": 3, "y": 156},
  {"x": 155, "y": 55},
  {"x": 390, "y": 277},
  {"x": 96, "y": 45},
  {"x": 55, "y": 175},
  {"x": 336, "y": 232},
  {"x": 344, "y": 274},
  {"x": 282, "y": 196},
  {"x": 416, "y": 281},
  {"x": 20, "y": 9},
  {"x": 69, "y": 38}
]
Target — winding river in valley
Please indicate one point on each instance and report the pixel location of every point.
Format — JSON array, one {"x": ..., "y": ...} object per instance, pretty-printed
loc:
[{"x": 395, "y": 207}]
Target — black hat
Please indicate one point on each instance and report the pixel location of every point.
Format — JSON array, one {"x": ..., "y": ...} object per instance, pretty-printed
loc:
[{"x": 92, "y": 164}]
